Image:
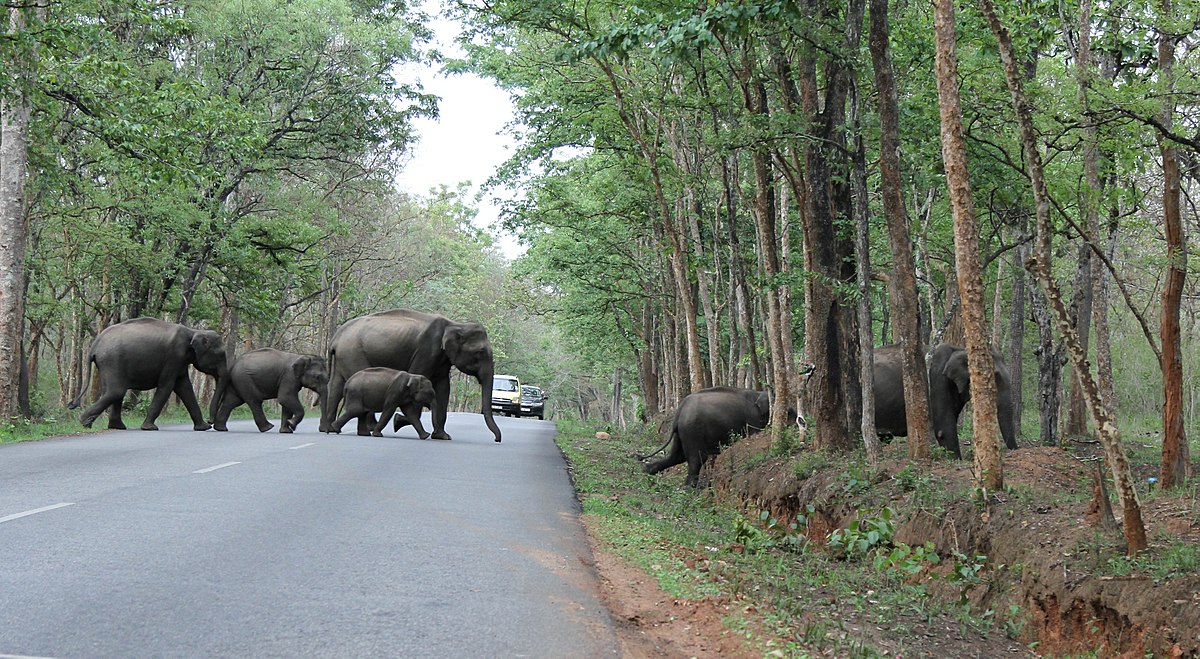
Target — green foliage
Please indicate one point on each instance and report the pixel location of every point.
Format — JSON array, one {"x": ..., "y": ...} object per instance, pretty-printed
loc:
[
  {"x": 864, "y": 535},
  {"x": 770, "y": 533}
]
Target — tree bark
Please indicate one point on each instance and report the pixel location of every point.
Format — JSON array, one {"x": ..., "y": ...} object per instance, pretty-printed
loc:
[
  {"x": 1176, "y": 464},
  {"x": 14, "y": 155},
  {"x": 989, "y": 470},
  {"x": 1135, "y": 530},
  {"x": 902, "y": 284}
]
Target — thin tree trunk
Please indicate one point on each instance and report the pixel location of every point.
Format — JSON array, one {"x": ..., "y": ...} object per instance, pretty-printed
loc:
[
  {"x": 1176, "y": 464},
  {"x": 866, "y": 342},
  {"x": 1135, "y": 530},
  {"x": 902, "y": 282},
  {"x": 1016, "y": 352},
  {"x": 989, "y": 470},
  {"x": 1050, "y": 360},
  {"x": 14, "y": 145}
]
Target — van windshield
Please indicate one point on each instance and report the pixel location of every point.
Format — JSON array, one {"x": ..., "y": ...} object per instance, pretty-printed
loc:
[{"x": 504, "y": 384}]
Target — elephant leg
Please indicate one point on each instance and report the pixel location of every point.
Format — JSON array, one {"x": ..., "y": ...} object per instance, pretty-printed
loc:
[
  {"x": 161, "y": 393},
  {"x": 673, "y": 457},
  {"x": 412, "y": 414},
  {"x": 331, "y": 400},
  {"x": 366, "y": 421},
  {"x": 228, "y": 403},
  {"x": 399, "y": 422},
  {"x": 293, "y": 412},
  {"x": 441, "y": 404},
  {"x": 694, "y": 461},
  {"x": 111, "y": 399},
  {"x": 344, "y": 418},
  {"x": 260, "y": 417},
  {"x": 388, "y": 411},
  {"x": 183, "y": 389}
]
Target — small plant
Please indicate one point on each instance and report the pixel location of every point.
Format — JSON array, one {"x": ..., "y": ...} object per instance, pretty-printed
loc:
[
  {"x": 855, "y": 481},
  {"x": 906, "y": 559},
  {"x": 808, "y": 464},
  {"x": 772, "y": 534},
  {"x": 965, "y": 573},
  {"x": 864, "y": 535}
]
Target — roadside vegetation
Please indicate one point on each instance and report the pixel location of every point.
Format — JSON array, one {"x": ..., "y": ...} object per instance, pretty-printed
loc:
[{"x": 812, "y": 554}]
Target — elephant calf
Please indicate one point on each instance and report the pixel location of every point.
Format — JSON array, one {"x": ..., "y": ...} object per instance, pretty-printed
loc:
[
  {"x": 384, "y": 390},
  {"x": 705, "y": 422},
  {"x": 267, "y": 373}
]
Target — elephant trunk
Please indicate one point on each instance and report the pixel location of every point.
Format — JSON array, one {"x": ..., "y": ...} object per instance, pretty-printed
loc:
[
  {"x": 485, "y": 385},
  {"x": 222, "y": 376}
]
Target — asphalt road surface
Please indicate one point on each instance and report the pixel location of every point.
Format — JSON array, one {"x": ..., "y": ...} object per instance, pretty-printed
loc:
[{"x": 184, "y": 544}]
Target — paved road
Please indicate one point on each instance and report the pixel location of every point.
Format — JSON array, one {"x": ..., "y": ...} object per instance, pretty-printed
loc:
[{"x": 185, "y": 544}]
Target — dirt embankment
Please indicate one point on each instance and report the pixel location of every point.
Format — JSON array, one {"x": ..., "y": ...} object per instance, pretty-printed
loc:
[{"x": 1046, "y": 553}]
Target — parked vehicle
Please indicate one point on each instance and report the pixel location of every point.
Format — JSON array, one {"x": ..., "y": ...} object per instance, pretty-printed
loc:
[
  {"x": 506, "y": 395},
  {"x": 533, "y": 402}
]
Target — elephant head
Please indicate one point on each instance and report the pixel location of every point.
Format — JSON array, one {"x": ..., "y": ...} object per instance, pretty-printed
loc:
[
  {"x": 950, "y": 392},
  {"x": 418, "y": 391},
  {"x": 467, "y": 347},
  {"x": 311, "y": 373},
  {"x": 206, "y": 351}
]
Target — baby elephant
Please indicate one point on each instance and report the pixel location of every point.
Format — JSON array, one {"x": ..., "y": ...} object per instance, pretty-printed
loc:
[
  {"x": 267, "y": 373},
  {"x": 384, "y": 390}
]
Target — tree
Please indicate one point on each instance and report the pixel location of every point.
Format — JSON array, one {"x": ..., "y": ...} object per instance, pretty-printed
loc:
[{"x": 988, "y": 467}]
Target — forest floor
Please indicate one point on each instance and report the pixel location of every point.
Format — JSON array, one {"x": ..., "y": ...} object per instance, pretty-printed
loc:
[{"x": 745, "y": 567}]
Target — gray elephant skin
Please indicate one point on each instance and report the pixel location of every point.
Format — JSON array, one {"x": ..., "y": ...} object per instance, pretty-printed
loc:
[
  {"x": 705, "y": 422},
  {"x": 949, "y": 391},
  {"x": 385, "y": 390},
  {"x": 266, "y": 374},
  {"x": 147, "y": 353},
  {"x": 419, "y": 343}
]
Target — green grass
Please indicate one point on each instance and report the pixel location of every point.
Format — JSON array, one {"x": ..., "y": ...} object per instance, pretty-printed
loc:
[
  {"x": 695, "y": 546},
  {"x": 59, "y": 422}
]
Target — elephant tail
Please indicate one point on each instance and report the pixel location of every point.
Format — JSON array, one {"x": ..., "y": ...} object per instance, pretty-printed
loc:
[
  {"x": 670, "y": 438},
  {"x": 86, "y": 383}
]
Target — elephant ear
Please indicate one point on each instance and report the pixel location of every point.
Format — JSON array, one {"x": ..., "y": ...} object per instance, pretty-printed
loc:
[
  {"x": 956, "y": 370},
  {"x": 300, "y": 366}
]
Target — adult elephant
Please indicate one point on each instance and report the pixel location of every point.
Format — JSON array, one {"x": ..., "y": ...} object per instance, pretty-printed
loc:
[
  {"x": 147, "y": 353},
  {"x": 420, "y": 343},
  {"x": 949, "y": 391},
  {"x": 385, "y": 390},
  {"x": 704, "y": 422},
  {"x": 265, "y": 374}
]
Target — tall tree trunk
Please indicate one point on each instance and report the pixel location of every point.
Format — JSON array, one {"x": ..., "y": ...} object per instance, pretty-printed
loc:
[
  {"x": 1081, "y": 313},
  {"x": 1016, "y": 338},
  {"x": 1106, "y": 426},
  {"x": 902, "y": 284},
  {"x": 862, "y": 250},
  {"x": 14, "y": 146},
  {"x": 989, "y": 470},
  {"x": 647, "y": 374},
  {"x": 1176, "y": 464}
]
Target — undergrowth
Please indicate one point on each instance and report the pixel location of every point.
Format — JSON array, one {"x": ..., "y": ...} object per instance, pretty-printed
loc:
[{"x": 792, "y": 595}]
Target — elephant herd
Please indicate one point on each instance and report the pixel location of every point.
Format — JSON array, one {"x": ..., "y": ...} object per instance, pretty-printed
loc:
[
  {"x": 708, "y": 419},
  {"x": 390, "y": 361}
]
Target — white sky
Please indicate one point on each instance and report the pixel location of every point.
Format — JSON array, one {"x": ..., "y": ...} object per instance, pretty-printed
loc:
[{"x": 465, "y": 143}]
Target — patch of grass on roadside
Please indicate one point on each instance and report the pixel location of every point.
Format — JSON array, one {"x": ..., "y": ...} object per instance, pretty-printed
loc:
[
  {"x": 786, "y": 595},
  {"x": 61, "y": 422}
]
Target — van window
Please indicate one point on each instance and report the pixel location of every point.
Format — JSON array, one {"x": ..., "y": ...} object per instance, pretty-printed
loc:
[{"x": 504, "y": 384}]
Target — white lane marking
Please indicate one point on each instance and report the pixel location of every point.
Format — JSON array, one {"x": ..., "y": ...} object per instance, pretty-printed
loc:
[
  {"x": 215, "y": 467},
  {"x": 27, "y": 513},
  {"x": 293, "y": 448},
  {"x": 21, "y": 656}
]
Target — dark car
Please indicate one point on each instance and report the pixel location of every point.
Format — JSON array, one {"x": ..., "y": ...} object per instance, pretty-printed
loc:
[{"x": 533, "y": 402}]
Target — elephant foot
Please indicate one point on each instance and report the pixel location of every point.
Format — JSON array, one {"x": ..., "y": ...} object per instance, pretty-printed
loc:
[
  {"x": 441, "y": 434},
  {"x": 199, "y": 427},
  {"x": 376, "y": 433},
  {"x": 149, "y": 426},
  {"x": 287, "y": 429},
  {"x": 265, "y": 427},
  {"x": 111, "y": 426},
  {"x": 220, "y": 427},
  {"x": 426, "y": 436},
  {"x": 364, "y": 433}
]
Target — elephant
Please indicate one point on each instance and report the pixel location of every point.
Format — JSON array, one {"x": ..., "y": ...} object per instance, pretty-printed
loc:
[
  {"x": 384, "y": 390},
  {"x": 268, "y": 373},
  {"x": 704, "y": 423},
  {"x": 420, "y": 343},
  {"x": 949, "y": 391},
  {"x": 147, "y": 353}
]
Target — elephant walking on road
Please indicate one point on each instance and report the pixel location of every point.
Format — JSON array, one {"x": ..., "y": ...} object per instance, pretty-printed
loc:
[
  {"x": 147, "y": 353},
  {"x": 705, "y": 422},
  {"x": 267, "y": 373},
  {"x": 420, "y": 343},
  {"x": 385, "y": 390},
  {"x": 949, "y": 391}
]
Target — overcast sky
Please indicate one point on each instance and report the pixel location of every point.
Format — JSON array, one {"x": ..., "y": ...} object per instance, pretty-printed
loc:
[{"x": 465, "y": 143}]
